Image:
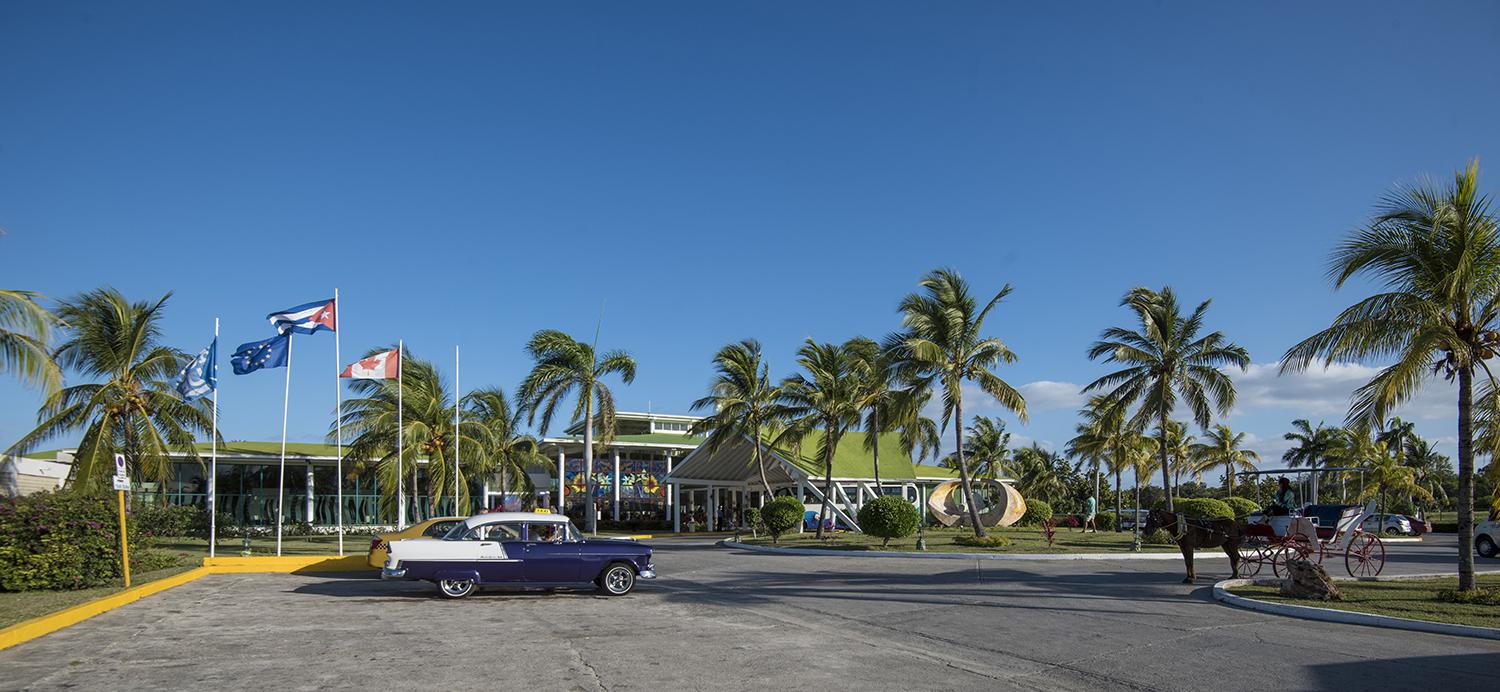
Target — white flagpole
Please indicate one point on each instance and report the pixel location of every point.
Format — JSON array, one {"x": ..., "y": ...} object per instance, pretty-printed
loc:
[
  {"x": 457, "y": 395},
  {"x": 338, "y": 417},
  {"x": 400, "y": 439},
  {"x": 281, "y": 479},
  {"x": 213, "y": 463}
]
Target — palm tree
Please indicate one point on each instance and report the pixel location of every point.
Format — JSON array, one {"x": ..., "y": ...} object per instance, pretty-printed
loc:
[
  {"x": 943, "y": 345},
  {"x": 1436, "y": 252},
  {"x": 370, "y": 418},
  {"x": 880, "y": 398},
  {"x": 1164, "y": 360},
  {"x": 1179, "y": 450},
  {"x": 745, "y": 402},
  {"x": 131, "y": 406},
  {"x": 1107, "y": 432},
  {"x": 918, "y": 434},
  {"x": 1387, "y": 474},
  {"x": 986, "y": 449},
  {"x": 25, "y": 329},
  {"x": 565, "y": 366},
  {"x": 1036, "y": 473},
  {"x": 1224, "y": 447},
  {"x": 1312, "y": 447},
  {"x": 1429, "y": 467},
  {"x": 826, "y": 398},
  {"x": 504, "y": 449}
]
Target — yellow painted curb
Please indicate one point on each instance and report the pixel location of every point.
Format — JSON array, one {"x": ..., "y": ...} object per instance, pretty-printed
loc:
[
  {"x": 46, "y": 624},
  {"x": 22, "y": 632}
]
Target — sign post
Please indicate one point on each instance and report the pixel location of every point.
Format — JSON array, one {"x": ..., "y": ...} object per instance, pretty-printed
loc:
[{"x": 122, "y": 483}]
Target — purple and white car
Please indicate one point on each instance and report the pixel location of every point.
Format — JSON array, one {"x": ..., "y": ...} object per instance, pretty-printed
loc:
[{"x": 519, "y": 549}]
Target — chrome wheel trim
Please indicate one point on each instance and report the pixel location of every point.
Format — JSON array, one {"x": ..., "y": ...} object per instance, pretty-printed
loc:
[
  {"x": 617, "y": 579},
  {"x": 456, "y": 587}
]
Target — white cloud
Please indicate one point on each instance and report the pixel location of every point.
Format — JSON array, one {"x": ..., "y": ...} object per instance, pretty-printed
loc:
[
  {"x": 1325, "y": 392},
  {"x": 1046, "y": 395}
]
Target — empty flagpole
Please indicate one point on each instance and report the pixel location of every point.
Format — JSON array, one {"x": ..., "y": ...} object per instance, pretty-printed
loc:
[
  {"x": 457, "y": 395},
  {"x": 213, "y": 459},
  {"x": 286, "y": 397},
  {"x": 338, "y": 418},
  {"x": 400, "y": 438}
]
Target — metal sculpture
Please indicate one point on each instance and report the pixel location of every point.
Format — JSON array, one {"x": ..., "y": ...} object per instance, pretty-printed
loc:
[{"x": 947, "y": 506}]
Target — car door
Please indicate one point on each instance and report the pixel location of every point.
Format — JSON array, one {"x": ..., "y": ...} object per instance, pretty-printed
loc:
[
  {"x": 499, "y": 559},
  {"x": 551, "y": 554}
]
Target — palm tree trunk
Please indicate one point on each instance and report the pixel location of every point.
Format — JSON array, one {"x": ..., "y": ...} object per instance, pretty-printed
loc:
[
  {"x": 963, "y": 467},
  {"x": 829, "y": 441},
  {"x": 1465, "y": 479},
  {"x": 588, "y": 460},
  {"x": 875, "y": 430},
  {"x": 760, "y": 462},
  {"x": 1117, "y": 499},
  {"x": 504, "y": 486},
  {"x": 1166, "y": 480},
  {"x": 1229, "y": 476}
]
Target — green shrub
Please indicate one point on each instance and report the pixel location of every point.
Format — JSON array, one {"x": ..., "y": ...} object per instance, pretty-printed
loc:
[
  {"x": 1242, "y": 506},
  {"x": 1105, "y": 521},
  {"x": 54, "y": 540},
  {"x": 781, "y": 515},
  {"x": 174, "y": 520},
  {"x": 752, "y": 519},
  {"x": 972, "y": 541},
  {"x": 889, "y": 517},
  {"x": 1037, "y": 511},
  {"x": 1159, "y": 537},
  {"x": 1479, "y": 596},
  {"x": 1205, "y": 507}
]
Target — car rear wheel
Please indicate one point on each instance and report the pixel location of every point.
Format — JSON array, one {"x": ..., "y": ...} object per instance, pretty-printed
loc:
[
  {"x": 617, "y": 580},
  {"x": 456, "y": 588},
  {"x": 1485, "y": 546}
]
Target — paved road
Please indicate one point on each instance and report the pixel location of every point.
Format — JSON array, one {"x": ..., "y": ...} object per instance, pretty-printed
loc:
[{"x": 730, "y": 619}]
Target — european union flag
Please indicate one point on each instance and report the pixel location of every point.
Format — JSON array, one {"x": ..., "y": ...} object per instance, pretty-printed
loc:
[
  {"x": 255, "y": 355},
  {"x": 200, "y": 376}
]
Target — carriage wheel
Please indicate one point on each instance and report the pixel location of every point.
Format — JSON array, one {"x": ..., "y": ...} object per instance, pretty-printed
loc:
[
  {"x": 1251, "y": 561},
  {"x": 1365, "y": 556},
  {"x": 1295, "y": 547}
]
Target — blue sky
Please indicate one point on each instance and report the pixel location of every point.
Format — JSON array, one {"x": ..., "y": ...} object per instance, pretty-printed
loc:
[{"x": 703, "y": 172}]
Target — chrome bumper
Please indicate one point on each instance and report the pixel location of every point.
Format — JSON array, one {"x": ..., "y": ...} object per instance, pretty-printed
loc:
[
  {"x": 649, "y": 572},
  {"x": 388, "y": 573}
]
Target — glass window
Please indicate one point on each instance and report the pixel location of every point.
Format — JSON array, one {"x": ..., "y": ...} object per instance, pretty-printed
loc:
[
  {"x": 550, "y": 532},
  {"x": 440, "y": 529}
]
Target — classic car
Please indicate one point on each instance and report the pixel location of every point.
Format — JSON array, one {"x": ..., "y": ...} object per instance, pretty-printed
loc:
[
  {"x": 519, "y": 549},
  {"x": 436, "y": 527},
  {"x": 1487, "y": 538}
]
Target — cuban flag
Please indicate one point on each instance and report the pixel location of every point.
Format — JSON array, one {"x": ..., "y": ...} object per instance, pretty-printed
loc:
[
  {"x": 381, "y": 366},
  {"x": 201, "y": 375},
  {"x": 270, "y": 353},
  {"x": 305, "y": 319}
]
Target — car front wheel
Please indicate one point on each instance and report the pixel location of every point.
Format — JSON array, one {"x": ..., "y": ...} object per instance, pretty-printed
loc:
[
  {"x": 1485, "y": 546},
  {"x": 617, "y": 580},
  {"x": 456, "y": 588}
]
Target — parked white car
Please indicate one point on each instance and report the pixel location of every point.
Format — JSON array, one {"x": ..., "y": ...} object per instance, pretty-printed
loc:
[
  {"x": 1487, "y": 539},
  {"x": 1388, "y": 524}
]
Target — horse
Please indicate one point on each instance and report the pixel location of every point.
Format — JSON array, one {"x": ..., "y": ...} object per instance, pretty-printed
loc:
[{"x": 1199, "y": 533}]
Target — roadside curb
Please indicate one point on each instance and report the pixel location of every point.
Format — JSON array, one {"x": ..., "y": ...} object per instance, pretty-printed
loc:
[
  {"x": 963, "y": 556},
  {"x": 1221, "y": 594},
  {"x": 23, "y": 632}
]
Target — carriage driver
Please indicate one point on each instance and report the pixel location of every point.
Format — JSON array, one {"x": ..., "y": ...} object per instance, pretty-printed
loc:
[{"x": 1283, "y": 501}]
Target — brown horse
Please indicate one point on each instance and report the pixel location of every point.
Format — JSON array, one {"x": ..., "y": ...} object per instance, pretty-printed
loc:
[{"x": 1199, "y": 533}]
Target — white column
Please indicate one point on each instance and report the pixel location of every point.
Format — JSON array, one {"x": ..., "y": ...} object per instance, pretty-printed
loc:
[
  {"x": 615, "y": 484},
  {"x": 562, "y": 479},
  {"x": 671, "y": 493},
  {"x": 484, "y": 504},
  {"x": 673, "y": 490},
  {"x": 309, "y": 505}
]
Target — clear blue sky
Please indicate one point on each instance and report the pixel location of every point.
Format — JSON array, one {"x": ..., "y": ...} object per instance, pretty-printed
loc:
[{"x": 468, "y": 173}]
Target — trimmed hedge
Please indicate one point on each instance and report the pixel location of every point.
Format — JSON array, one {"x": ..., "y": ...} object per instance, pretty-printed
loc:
[
  {"x": 1242, "y": 506},
  {"x": 52, "y": 540},
  {"x": 972, "y": 541},
  {"x": 889, "y": 517},
  {"x": 781, "y": 515},
  {"x": 1206, "y": 507},
  {"x": 752, "y": 519},
  {"x": 1158, "y": 537},
  {"x": 1105, "y": 521},
  {"x": 1037, "y": 511}
]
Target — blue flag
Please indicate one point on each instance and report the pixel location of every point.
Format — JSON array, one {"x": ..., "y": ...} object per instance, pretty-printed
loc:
[
  {"x": 255, "y": 355},
  {"x": 200, "y": 376}
]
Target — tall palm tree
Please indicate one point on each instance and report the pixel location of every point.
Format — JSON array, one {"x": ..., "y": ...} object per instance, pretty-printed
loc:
[
  {"x": 745, "y": 402},
  {"x": 1436, "y": 252},
  {"x": 986, "y": 449},
  {"x": 503, "y": 448},
  {"x": 880, "y": 396},
  {"x": 25, "y": 329},
  {"x": 1429, "y": 467},
  {"x": 827, "y": 398},
  {"x": 917, "y": 433},
  {"x": 130, "y": 406},
  {"x": 1179, "y": 450},
  {"x": 1387, "y": 474},
  {"x": 1225, "y": 447},
  {"x": 1312, "y": 447},
  {"x": 1106, "y": 430},
  {"x": 1036, "y": 473},
  {"x": 370, "y": 419},
  {"x": 564, "y": 366},
  {"x": 943, "y": 345},
  {"x": 1165, "y": 360}
]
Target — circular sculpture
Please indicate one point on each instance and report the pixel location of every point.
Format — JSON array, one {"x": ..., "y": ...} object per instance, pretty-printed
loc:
[{"x": 946, "y": 503}]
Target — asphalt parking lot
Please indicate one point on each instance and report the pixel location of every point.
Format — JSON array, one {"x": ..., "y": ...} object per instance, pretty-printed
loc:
[{"x": 730, "y": 619}]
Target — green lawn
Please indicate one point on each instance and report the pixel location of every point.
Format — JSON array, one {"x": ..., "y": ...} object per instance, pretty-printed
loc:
[
  {"x": 19, "y": 606},
  {"x": 1023, "y": 540},
  {"x": 1414, "y": 599}
]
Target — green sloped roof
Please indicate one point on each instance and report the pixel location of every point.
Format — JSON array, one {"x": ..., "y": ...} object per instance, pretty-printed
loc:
[
  {"x": 928, "y": 471},
  {"x": 851, "y": 459},
  {"x": 301, "y": 449}
]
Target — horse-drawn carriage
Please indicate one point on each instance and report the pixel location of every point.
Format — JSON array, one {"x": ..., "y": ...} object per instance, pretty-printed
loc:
[{"x": 1275, "y": 541}]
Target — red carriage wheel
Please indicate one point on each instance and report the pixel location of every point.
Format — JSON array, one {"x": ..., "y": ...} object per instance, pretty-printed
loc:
[
  {"x": 1365, "y": 556},
  {"x": 1251, "y": 560}
]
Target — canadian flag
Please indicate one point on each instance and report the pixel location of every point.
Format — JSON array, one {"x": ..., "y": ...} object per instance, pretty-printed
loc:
[{"x": 381, "y": 366}]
